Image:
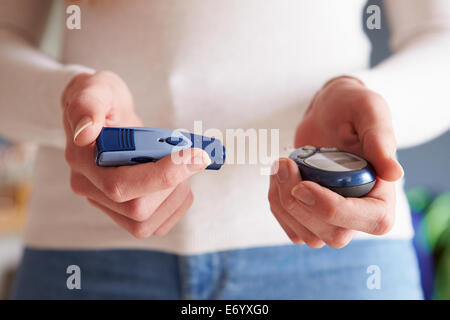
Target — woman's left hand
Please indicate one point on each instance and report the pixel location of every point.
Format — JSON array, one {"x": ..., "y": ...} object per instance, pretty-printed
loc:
[{"x": 346, "y": 115}]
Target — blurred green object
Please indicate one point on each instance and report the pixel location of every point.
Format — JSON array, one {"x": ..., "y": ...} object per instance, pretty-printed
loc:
[
  {"x": 433, "y": 235},
  {"x": 419, "y": 198},
  {"x": 442, "y": 280},
  {"x": 437, "y": 218}
]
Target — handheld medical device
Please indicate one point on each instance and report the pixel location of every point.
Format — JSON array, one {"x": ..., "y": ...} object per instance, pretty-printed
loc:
[
  {"x": 134, "y": 145},
  {"x": 342, "y": 172}
]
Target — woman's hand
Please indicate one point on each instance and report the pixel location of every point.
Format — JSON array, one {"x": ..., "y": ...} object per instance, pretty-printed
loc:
[
  {"x": 347, "y": 115},
  {"x": 144, "y": 199}
]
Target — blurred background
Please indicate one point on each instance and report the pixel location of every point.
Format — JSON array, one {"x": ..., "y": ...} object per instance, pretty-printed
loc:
[
  {"x": 427, "y": 178},
  {"x": 427, "y": 182}
]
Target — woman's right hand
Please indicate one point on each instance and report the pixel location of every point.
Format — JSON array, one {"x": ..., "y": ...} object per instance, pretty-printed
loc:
[{"x": 145, "y": 199}]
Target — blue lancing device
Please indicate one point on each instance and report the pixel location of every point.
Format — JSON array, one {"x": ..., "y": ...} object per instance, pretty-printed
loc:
[
  {"x": 133, "y": 145},
  {"x": 342, "y": 172}
]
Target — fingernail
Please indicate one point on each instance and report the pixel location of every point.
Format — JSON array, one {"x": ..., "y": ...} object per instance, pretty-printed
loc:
[
  {"x": 401, "y": 168},
  {"x": 283, "y": 171},
  {"x": 274, "y": 168},
  {"x": 199, "y": 160},
  {"x": 82, "y": 124},
  {"x": 303, "y": 194}
]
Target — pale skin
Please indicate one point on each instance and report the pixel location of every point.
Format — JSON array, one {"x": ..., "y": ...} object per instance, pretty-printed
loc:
[
  {"x": 347, "y": 115},
  {"x": 149, "y": 199}
]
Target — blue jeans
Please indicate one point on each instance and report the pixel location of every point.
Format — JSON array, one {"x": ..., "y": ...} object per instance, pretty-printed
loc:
[{"x": 277, "y": 272}]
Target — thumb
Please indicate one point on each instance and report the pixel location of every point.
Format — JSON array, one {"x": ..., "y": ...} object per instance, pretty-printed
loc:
[
  {"x": 86, "y": 131},
  {"x": 86, "y": 117},
  {"x": 379, "y": 148}
]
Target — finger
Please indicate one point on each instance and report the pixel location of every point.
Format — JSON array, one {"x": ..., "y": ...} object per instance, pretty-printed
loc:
[
  {"x": 275, "y": 207},
  {"x": 144, "y": 229},
  {"x": 86, "y": 113},
  {"x": 139, "y": 209},
  {"x": 167, "y": 225},
  {"x": 372, "y": 214},
  {"x": 375, "y": 142},
  {"x": 334, "y": 236},
  {"x": 295, "y": 230},
  {"x": 374, "y": 127},
  {"x": 170, "y": 207},
  {"x": 125, "y": 183}
]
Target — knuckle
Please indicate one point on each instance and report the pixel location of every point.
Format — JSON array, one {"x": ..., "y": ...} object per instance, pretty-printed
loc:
[
  {"x": 190, "y": 199},
  {"x": 329, "y": 215},
  {"x": 69, "y": 157},
  {"x": 114, "y": 190},
  {"x": 273, "y": 209},
  {"x": 137, "y": 210},
  {"x": 68, "y": 109},
  {"x": 168, "y": 178},
  {"x": 288, "y": 203},
  {"x": 339, "y": 238},
  {"x": 78, "y": 102},
  {"x": 271, "y": 196},
  {"x": 369, "y": 99},
  {"x": 312, "y": 241},
  {"x": 296, "y": 239},
  {"x": 315, "y": 243},
  {"x": 86, "y": 99},
  {"x": 139, "y": 230},
  {"x": 75, "y": 186},
  {"x": 384, "y": 223},
  {"x": 372, "y": 102},
  {"x": 82, "y": 99},
  {"x": 309, "y": 239}
]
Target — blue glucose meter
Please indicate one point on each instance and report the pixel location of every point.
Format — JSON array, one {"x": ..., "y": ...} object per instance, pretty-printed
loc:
[
  {"x": 134, "y": 145},
  {"x": 342, "y": 172}
]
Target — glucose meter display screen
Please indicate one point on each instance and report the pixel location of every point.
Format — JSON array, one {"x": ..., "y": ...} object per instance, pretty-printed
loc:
[{"x": 336, "y": 161}]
